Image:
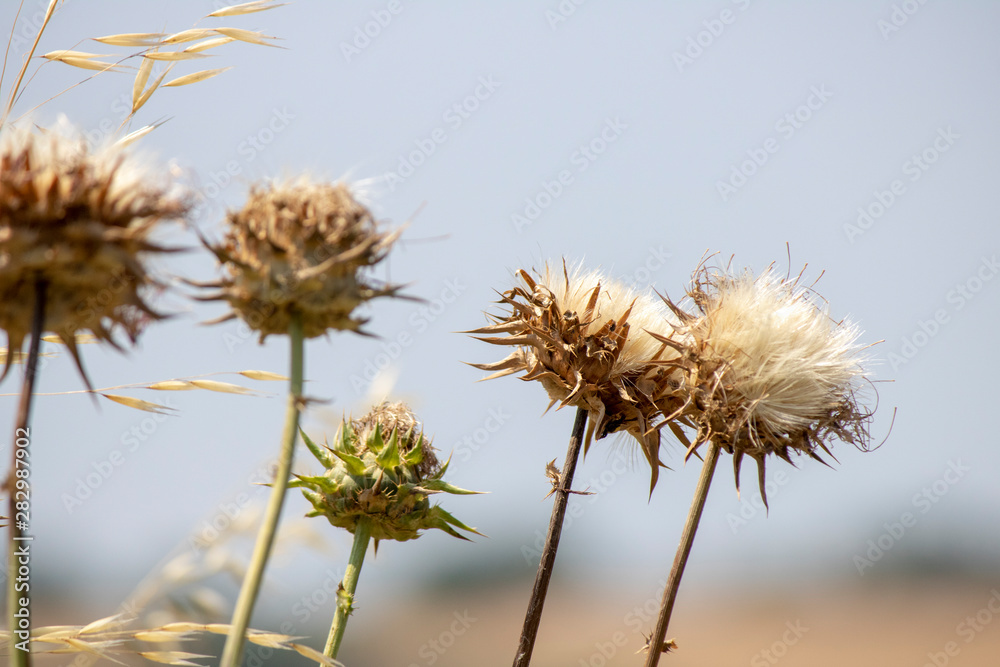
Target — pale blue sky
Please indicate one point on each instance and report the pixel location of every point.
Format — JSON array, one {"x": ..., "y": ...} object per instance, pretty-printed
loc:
[{"x": 633, "y": 135}]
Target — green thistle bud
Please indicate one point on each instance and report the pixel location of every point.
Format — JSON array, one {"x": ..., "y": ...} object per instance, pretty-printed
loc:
[{"x": 387, "y": 481}]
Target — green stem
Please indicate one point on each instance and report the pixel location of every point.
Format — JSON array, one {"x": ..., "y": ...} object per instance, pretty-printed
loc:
[
  {"x": 18, "y": 552},
  {"x": 233, "y": 651},
  {"x": 345, "y": 596},
  {"x": 683, "y": 550}
]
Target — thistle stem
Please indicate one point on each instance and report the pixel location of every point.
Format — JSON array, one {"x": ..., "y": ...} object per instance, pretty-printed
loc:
[
  {"x": 683, "y": 550},
  {"x": 19, "y": 540},
  {"x": 533, "y": 617},
  {"x": 233, "y": 651},
  {"x": 345, "y": 596}
]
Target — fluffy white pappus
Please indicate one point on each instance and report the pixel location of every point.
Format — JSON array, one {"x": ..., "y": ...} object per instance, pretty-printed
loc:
[
  {"x": 785, "y": 357},
  {"x": 573, "y": 287}
]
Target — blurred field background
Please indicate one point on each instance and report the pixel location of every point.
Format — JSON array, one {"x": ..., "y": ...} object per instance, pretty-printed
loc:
[{"x": 520, "y": 96}]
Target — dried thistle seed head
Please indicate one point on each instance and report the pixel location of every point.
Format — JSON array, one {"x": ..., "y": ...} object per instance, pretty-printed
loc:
[
  {"x": 583, "y": 337},
  {"x": 80, "y": 220},
  {"x": 300, "y": 248},
  {"x": 766, "y": 370},
  {"x": 382, "y": 470}
]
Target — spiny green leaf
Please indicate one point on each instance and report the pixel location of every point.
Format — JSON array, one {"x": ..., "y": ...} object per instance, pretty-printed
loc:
[
  {"x": 321, "y": 453},
  {"x": 355, "y": 466},
  {"x": 441, "y": 485},
  {"x": 345, "y": 439},
  {"x": 388, "y": 458}
]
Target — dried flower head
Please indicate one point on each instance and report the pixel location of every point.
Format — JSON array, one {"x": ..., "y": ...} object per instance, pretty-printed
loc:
[
  {"x": 300, "y": 248},
  {"x": 385, "y": 481},
  {"x": 583, "y": 338},
  {"x": 765, "y": 369},
  {"x": 80, "y": 221}
]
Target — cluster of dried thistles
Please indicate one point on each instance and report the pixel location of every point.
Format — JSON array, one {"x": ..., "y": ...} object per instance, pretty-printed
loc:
[
  {"x": 78, "y": 220},
  {"x": 757, "y": 368},
  {"x": 300, "y": 248}
]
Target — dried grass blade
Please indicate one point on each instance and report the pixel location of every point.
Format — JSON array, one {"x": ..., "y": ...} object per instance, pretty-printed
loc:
[
  {"x": 188, "y": 35},
  {"x": 141, "y": 79},
  {"x": 245, "y": 8},
  {"x": 102, "y": 624},
  {"x": 66, "y": 53},
  {"x": 173, "y": 657},
  {"x": 270, "y": 639},
  {"x": 209, "y": 44},
  {"x": 263, "y": 375},
  {"x": 138, "y": 134},
  {"x": 87, "y": 63},
  {"x": 315, "y": 655},
  {"x": 172, "y": 385},
  {"x": 131, "y": 39},
  {"x": 160, "y": 635},
  {"x": 195, "y": 77},
  {"x": 224, "y": 387},
  {"x": 138, "y": 404},
  {"x": 249, "y": 36},
  {"x": 156, "y": 84},
  {"x": 81, "y": 646},
  {"x": 173, "y": 56}
]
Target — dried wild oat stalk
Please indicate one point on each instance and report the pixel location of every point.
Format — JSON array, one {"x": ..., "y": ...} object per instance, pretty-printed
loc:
[{"x": 300, "y": 248}]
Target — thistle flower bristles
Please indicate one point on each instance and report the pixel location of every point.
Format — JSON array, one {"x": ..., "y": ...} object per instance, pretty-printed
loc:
[
  {"x": 584, "y": 338},
  {"x": 300, "y": 247},
  {"x": 75, "y": 227},
  {"x": 79, "y": 219},
  {"x": 377, "y": 488},
  {"x": 295, "y": 260},
  {"x": 765, "y": 369}
]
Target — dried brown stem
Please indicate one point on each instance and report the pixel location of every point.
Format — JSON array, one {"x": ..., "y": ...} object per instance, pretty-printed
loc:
[
  {"x": 683, "y": 550},
  {"x": 533, "y": 617}
]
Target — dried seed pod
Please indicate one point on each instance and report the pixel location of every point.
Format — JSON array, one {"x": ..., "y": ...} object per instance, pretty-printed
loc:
[
  {"x": 583, "y": 338},
  {"x": 381, "y": 469},
  {"x": 300, "y": 248},
  {"x": 80, "y": 220},
  {"x": 766, "y": 370}
]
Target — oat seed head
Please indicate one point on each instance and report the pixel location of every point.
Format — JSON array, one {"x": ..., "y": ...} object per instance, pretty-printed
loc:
[
  {"x": 80, "y": 219},
  {"x": 301, "y": 247}
]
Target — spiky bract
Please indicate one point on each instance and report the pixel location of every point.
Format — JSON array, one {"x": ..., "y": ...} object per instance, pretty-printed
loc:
[
  {"x": 382, "y": 469},
  {"x": 303, "y": 248},
  {"x": 583, "y": 338},
  {"x": 78, "y": 219}
]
